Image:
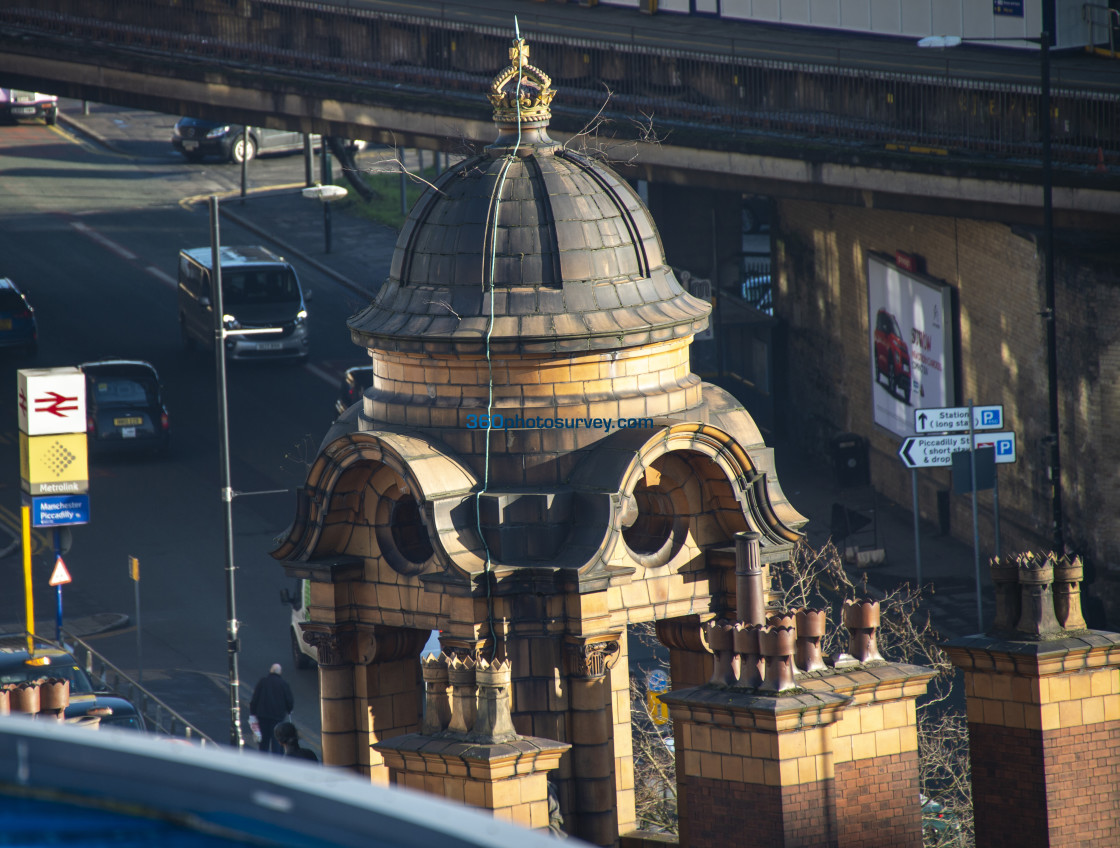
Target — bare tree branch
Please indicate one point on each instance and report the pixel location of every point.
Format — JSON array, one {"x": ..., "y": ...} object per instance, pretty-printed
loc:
[
  {"x": 595, "y": 140},
  {"x": 819, "y": 579}
]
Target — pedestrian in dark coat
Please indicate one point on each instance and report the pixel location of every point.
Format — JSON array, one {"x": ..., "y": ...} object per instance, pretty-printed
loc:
[
  {"x": 287, "y": 735},
  {"x": 272, "y": 703}
]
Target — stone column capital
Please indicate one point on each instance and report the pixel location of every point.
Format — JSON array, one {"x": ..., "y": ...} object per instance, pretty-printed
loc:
[
  {"x": 332, "y": 643},
  {"x": 686, "y": 633},
  {"x": 592, "y": 657},
  {"x": 347, "y": 644}
]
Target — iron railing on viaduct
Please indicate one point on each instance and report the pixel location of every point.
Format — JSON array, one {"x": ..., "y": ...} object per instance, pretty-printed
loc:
[{"x": 722, "y": 100}]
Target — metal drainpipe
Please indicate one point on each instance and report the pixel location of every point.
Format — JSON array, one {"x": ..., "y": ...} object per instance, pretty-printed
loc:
[{"x": 1053, "y": 439}]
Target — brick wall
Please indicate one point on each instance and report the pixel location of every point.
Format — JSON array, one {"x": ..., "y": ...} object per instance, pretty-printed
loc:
[
  {"x": 877, "y": 801},
  {"x": 1083, "y": 783},
  {"x": 996, "y": 752},
  {"x": 1044, "y": 735},
  {"x": 1090, "y": 356},
  {"x": 821, "y": 292},
  {"x": 1072, "y": 772},
  {"x": 723, "y": 813}
]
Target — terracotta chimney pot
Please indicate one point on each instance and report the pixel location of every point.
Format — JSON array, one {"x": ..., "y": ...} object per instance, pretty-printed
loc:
[
  {"x": 750, "y": 655},
  {"x": 811, "y": 625},
  {"x": 777, "y": 645},
  {"x": 725, "y": 671}
]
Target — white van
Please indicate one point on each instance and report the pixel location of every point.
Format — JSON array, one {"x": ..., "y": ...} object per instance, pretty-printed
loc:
[
  {"x": 260, "y": 291},
  {"x": 303, "y": 655}
]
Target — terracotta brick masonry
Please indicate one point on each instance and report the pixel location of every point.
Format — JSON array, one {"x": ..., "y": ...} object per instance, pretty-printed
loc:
[
  {"x": 468, "y": 750},
  {"x": 792, "y": 747},
  {"x": 1043, "y": 713}
]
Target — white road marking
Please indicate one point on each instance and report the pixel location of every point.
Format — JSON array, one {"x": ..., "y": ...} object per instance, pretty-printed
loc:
[
  {"x": 331, "y": 379},
  {"x": 107, "y": 243},
  {"x": 327, "y": 377},
  {"x": 162, "y": 276}
]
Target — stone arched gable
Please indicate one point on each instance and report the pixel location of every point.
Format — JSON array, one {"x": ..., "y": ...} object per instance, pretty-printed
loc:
[{"x": 331, "y": 500}]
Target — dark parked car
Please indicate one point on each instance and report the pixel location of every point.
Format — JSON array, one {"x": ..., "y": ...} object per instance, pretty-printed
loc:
[
  {"x": 124, "y": 406},
  {"x": 892, "y": 355},
  {"x": 352, "y": 386},
  {"x": 18, "y": 666},
  {"x": 86, "y": 698},
  {"x": 938, "y": 821},
  {"x": 112, "y": 710},
  {"x": 18, "y": 328}
]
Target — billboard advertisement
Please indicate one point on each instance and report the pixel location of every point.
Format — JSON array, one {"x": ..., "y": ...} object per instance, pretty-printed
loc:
[{"x": 910, "y": 319}]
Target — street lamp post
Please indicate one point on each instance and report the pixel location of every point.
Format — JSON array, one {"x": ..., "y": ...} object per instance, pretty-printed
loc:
[
  {"x": 221, "y": 333},
  {"x": 327, "y": 194},
  {"x": 1052, "y": 440},
  {"x": 232, "y": 643}
]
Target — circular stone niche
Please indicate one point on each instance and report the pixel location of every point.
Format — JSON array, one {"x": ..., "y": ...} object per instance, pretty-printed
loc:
[{"x": 663, "y": 511}]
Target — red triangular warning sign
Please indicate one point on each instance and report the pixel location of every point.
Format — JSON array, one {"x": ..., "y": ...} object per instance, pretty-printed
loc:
[{"x": 60, "y": 575}]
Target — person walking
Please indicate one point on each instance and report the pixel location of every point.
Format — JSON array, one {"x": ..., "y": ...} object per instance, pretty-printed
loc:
[
  {"x": 288, "y": 737},
  {"x": 271, "y": 704}
]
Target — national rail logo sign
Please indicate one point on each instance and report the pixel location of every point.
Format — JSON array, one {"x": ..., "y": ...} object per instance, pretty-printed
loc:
[{"x": 51, "y": 401}]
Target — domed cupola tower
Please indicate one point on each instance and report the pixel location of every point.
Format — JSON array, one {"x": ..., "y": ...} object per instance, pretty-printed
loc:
[{"x": 535, "y": 465}]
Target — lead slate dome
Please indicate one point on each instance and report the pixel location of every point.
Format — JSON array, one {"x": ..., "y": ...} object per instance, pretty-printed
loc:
[{"x": 558, "y": 246}]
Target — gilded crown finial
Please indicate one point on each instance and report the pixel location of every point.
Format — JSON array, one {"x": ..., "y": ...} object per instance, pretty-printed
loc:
[{"x": 521, "y": 93}]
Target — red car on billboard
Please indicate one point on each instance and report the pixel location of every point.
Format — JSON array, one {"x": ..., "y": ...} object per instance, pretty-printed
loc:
[{"x": 892, "y": 355}]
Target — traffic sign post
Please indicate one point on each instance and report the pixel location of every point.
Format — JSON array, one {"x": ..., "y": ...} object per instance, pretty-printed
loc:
[
  {"x": 937, "y": 451},
  {"x": 948, "y": 419},
  {"x": 134, "y": 573},
  {"x": 59, "y": 577},
  {"x": 657, "y": 682},
  {"x": 54, "y": 472}
]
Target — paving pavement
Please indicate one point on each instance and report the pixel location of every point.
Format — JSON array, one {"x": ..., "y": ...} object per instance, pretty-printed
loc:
[
  {"x": 82, "y": 626},
  {"x": 948, "y": 566}
]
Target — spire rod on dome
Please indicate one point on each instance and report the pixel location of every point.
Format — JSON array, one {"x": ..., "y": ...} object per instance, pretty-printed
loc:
[{"x": 521, "y": 92}]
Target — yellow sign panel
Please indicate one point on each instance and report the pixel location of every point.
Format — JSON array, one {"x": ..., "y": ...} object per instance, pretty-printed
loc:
[
  {"x": 54, "y": 465},
  {"x": 658, "y": 711}
]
